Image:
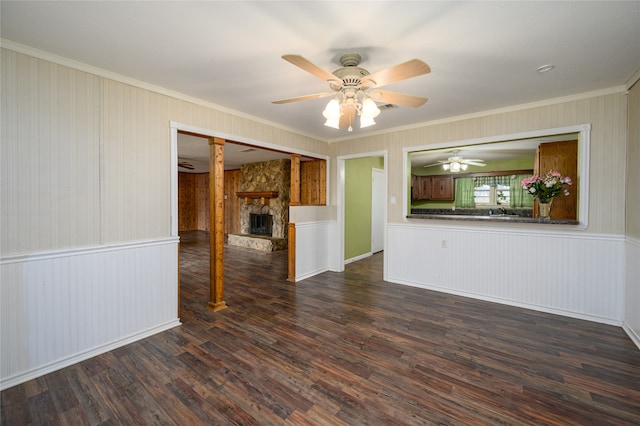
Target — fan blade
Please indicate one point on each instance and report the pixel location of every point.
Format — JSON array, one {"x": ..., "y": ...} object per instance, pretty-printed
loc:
[
  {"x": 409, "y": 69},
  {"x": 473, "y": 163},
  {"x": 304, "y": 98},
  {"x": 436, "y": 164},
  {"x": 348, "y": 116},
  {"x": 397, "y": 98},
  {"x": 301, "y": 62}
]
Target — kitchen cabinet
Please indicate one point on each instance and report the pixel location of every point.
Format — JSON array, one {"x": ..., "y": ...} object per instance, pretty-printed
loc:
[
  {"x": 563, "y": 157},
  {"x": 437, "y": 188}
]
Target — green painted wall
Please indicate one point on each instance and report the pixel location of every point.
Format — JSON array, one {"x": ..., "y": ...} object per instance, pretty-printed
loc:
[{"x": 357, "y": 204}]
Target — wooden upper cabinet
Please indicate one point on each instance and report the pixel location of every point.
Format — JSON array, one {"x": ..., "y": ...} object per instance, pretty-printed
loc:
[
  {"x": 442, "y": 187},
  {"x": 563, "y": 157},
  {"x": 439, "y": 187},
  {"x": 424, "y": 187}
]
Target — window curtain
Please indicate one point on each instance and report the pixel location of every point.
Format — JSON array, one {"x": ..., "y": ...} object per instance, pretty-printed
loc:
[
  {"x": 464, "y": 193},
  {"x": 493, "y": 180},
  {"x": 519, "y": 197}
]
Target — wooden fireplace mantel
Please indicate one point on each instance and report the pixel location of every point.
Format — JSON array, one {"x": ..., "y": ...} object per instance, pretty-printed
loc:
[{"x": 263, "y": 195}]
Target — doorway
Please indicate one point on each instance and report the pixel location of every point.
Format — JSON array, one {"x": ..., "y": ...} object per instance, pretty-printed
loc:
[
  {"x": 356, "y": 198},
  {"x": 237, "y": 151}
]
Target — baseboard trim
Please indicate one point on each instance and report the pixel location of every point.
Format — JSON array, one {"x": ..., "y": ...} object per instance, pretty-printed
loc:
[
  {"x": 74, "y": 359},
  {"x": 632, "y": 335},
  {"x": 576, "y": 315},
  {"x": 355, "y": 259},
  {"x": 310, "y": 274}
]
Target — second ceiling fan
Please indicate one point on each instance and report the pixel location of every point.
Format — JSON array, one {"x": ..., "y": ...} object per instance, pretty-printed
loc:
[
  {"x": 355, "y": 90},
  {"x": 456, "y": 163}
]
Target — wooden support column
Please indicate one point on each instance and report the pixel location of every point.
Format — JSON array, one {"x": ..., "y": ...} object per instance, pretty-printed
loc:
[
  {"x": 216, "y": 224},
  {"x": 179, "y": 282},
  {"x": 295, "y": 180},
  {"x": 291, "y": 273}
]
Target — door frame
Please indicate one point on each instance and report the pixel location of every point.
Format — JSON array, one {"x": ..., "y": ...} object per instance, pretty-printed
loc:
[
  {"x": 176, "y": 127},
  {"x": 379, "y": 206}
]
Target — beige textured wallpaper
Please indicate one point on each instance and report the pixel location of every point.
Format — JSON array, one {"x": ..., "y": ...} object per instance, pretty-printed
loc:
[
  {"x": 633, "y": 160},
  {"x": 85, "y": 160},
  {"x": 607, "y": 115}
]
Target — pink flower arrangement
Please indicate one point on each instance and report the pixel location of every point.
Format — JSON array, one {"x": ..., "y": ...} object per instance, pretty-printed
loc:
[{"x": 547, "y": 187}]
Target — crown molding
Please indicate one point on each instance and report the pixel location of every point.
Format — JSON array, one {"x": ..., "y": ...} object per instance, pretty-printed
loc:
[
  {"x": 633, "y": 80},
  {"x": 80, "y": 66},
  {"x": 504, "y": 110}
]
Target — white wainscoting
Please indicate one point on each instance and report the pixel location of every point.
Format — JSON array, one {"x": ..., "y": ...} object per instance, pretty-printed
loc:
[
  {"x": 59, "y": 308},
  {"x": 566, "y": 272},
  {"x": 313, "y": 248},
  {"x": 632, "y": 290}
]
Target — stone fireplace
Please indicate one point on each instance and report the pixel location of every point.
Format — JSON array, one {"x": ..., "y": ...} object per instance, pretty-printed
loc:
[
  {"x": 257, "y": 179},
  {"x": 260, "y": 224}
]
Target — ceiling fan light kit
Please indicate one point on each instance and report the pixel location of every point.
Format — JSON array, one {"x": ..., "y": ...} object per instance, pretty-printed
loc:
[
  {"x": 352, "y": 86},
  {"x": 456, "y": 163},
  {"x": 454, "y": 166}
]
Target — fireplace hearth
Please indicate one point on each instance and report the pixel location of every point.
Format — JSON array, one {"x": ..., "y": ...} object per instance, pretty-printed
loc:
[{"x": 260, "y": 224}]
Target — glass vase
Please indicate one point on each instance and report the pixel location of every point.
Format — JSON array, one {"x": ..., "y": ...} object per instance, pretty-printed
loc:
[{"x": 544, "y": 211}]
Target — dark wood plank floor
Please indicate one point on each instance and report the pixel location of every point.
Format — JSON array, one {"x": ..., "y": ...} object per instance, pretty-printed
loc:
[{"x": 342, "y": 349}]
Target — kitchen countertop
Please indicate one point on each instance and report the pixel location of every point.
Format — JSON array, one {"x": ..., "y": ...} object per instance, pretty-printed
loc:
[{"x": 493, "y": 218}]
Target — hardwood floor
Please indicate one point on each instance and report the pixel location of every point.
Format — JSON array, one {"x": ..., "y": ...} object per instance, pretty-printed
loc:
[{"x": 342, "y": 349}]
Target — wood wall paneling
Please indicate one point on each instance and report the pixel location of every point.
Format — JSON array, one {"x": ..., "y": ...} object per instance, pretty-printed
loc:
[
  {"x": 193, "y": 201},
  {"x": 202, "y": 201},
  {"x": 294, "y": 195},
  {"x": 313, "y": 176},
  {"x": 231, "y": 201},
  {"x": 187, "y": 202}
]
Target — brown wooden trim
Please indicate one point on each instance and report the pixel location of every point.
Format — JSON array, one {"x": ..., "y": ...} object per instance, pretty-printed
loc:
[
  {"x": 499, "y": 173},
  {"x": 179, "y": 312},
  {"x": 216, "y": 224},
  {"x": 263, "y": 195},
  {"x": 291, "y": 270},
  {"x": 322, "y": 183},
  {"x": 294, "y": 196},
  {"x": 257, "y": 194}
]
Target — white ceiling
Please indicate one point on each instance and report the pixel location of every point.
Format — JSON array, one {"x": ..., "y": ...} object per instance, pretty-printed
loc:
[{"x": 483, "y": 55}]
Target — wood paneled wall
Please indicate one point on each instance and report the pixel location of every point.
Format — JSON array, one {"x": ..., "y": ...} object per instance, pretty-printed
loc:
[
  {"x": 193, "y": 202},
  {"x": 231, "y": 202},
  {"x": 187, "y": 202},
  {"x": 313, "y": 183}
]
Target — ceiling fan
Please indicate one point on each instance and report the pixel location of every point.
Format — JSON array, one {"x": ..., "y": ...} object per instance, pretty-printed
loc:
[
  {"x": 185, "y": 164},
  {"x": 355, "y": 90},
  {"x": 456, "y": 163}
]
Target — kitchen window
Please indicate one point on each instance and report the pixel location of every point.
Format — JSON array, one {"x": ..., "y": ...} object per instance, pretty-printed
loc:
[{"x": 492, "y": 195}]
